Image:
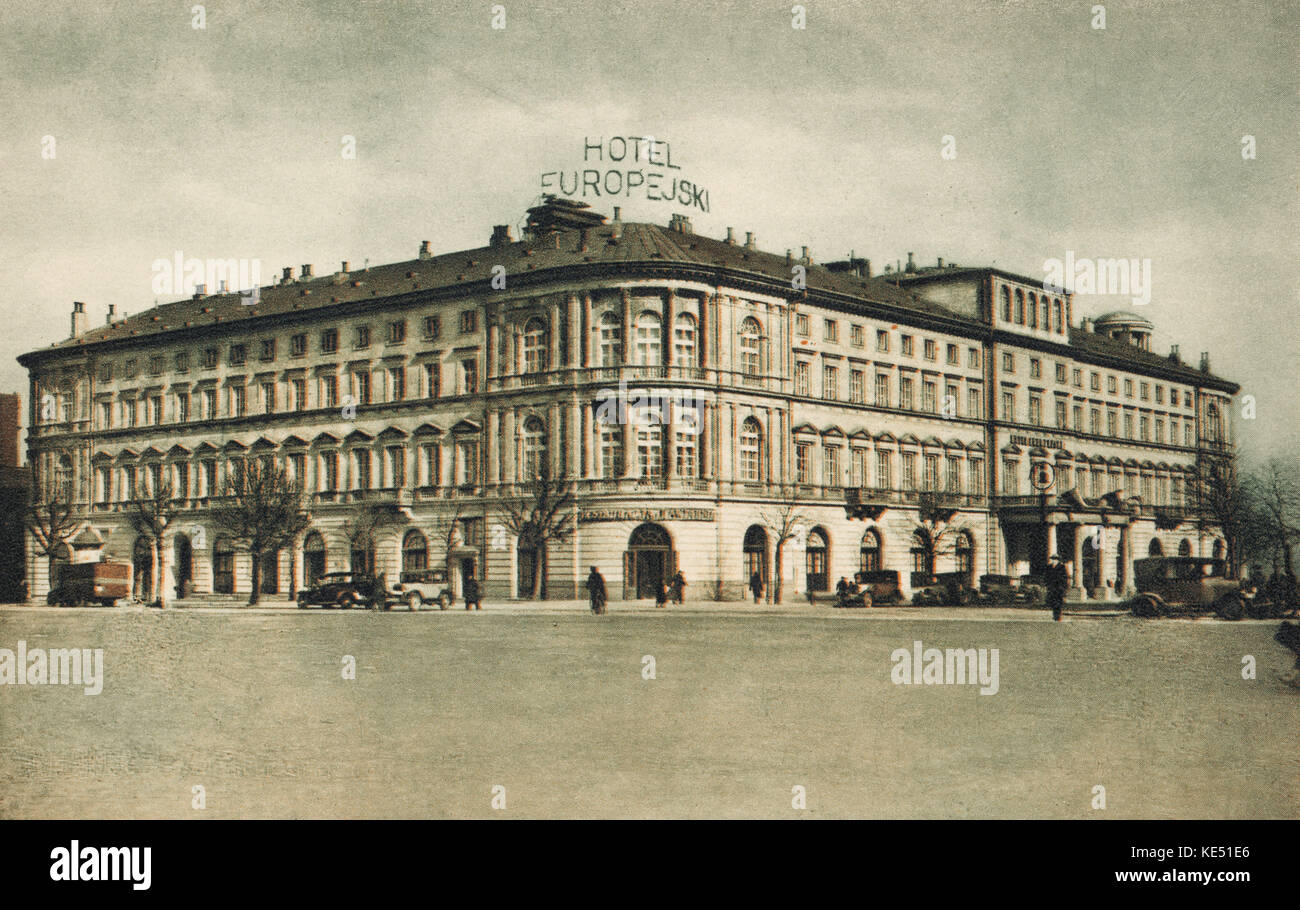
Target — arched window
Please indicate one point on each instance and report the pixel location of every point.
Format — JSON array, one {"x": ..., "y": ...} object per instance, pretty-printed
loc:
[
  {"x": 817, "y": 562},
  {"x": 415, "y": 552},
  {"x": 1033, "y": 311},
  {"x": 965, "y": 550},
  {"x": 313, "y": 551},
  {"x": 534, "y": 449},
  {"x": 610, "y": 340},
  {"x": 750, "y": 333},
  {"x": 684, "y": 340},
  {"x": 535, "y": 352},
  {"x": 922, "y": 557},
  {"x": 1213, "y": 423},
  {"x": 1154, "y": 548},
  {"x": 63, "y": 478},
  {"x": 1058, "y": 320},
  {"x": 1042, "y": 314},
  {"x": 1006, "y": 304},
  {"x": 1185, "y": 548},
  {"x": 223, "y": 566},
  {"x": 751, "y": 450},
  {"x": 869, "y": 554},
  {"x": 612, "y": 464},
  {"x": 755, "y": 550},
  {"x": 649, "y": 340},
  {"x": 1020, "y": 307}
]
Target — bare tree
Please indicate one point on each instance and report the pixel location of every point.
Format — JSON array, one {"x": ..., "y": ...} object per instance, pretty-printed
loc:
[
  {"x": 542, "y": 516},
  {"x": 935, "y": 515},
  {"x": 52, "y": 520},
  {"x": 361, "y": 529},
  {"x": 152, "y": 512},
  {"x": 1220, "y": 497},
  {"x": 1276, "y": 495},
  {"x": 263, "y": 510},
  {"x": 784, "y": 523}
]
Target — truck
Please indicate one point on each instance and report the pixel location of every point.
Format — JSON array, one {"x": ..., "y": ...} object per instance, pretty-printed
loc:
[{"x": 81, "y": 583}]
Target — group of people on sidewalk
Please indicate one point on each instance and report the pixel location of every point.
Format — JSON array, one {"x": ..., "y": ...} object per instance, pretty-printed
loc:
[{"x": 674, "y": 590}]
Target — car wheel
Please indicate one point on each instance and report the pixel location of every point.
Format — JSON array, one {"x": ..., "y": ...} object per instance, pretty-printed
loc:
[
  {"x": 346, "y": 601},
  {"x": 413, "y": 601},
  {"x": 1146, "y": 606},
  {"x": 444, "y": 600},
  {"x": 1230, "y": 607}
]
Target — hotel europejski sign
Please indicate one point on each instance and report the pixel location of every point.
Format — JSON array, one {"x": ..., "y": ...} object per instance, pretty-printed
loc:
[
  {"x": 589, "y": 515},
  {"x": 1041, "y": 442}
]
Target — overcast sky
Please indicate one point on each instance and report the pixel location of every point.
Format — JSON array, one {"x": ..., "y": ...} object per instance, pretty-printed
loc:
[{"x": 227, "y": 141}]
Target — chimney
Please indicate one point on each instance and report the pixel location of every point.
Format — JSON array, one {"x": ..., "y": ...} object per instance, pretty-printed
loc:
[
  {"x": 940, "y": 262},
  {"x": 616, "y": 226},
  {"x": 78, "y": 318},
  {"x": 222, "y": 286},
  {"x": 200, "y": 290},
  {"x": 1205, "y": 361},
  {"x": 1174, "y": 355},
  {"x": 731, "y": 236},
  {"x": 306, "y": 271},
  {"x": 866, "y": 268},
  {"x": 344, "y": 267},
  {"x": 618, "y": 213},
  {"x": 749, "y": 240},
  {"x": 1085, "y": 324},
  {"x": 501, "y": 236},
  {"x": 911, "y": 263},
  {"x": 424, "y": 250},
  {"x": 805, "y": 258},
  {"x": 789, "y": 257},
  {"x": 288, "y": 275},
  {"x": 112, "y": 308}
]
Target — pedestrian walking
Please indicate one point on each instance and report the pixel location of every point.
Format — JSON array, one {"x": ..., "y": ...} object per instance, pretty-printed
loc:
[
  {"x": 661, "y": 595},
  {"x": 756, "y": 585},
  {"x": 679, "y": 588},
  {"x": 379, "y": 593},
  {"x": 1057, "y": 581},
  {"x": 596, "y": 590},
  {"x": 472, "y": 595}
]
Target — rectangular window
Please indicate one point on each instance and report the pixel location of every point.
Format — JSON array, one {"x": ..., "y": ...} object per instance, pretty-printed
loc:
[
  {"x": 433, "y": 379},
  {"x": 831, "y": 466},
  {"x": 155, "y": 365},
  {"x": 1128, "y": 388},
  {"x": 1035, "y": 368},
  {"x": 268, "y": 398},
  {"x": 268, "y": 349},
  {"x": 238, "y": 355},
  {"x": 884, "y": 471},
  {"x": 1112, "y": 420},
  {"x": 182, "y": 361},
  {"x": 801, "y": 325},
  {"x": 1010, "y": 477},
  {"x": 1144, "y": 428},
  {"x": 1112, "y": 385},
  {"x": 182, "y": 407},
  {"x": 802, "y": 467},
  {"x": 1144, "y": 391},
  {"x": 298, "y": 345},
  {"x": 329, "y": 341},
  {"x": 801, "y": 377},
  {"x": 1160, "y": 429},
  {"x": 1060, "y": 373},
  {"x": 930, "y": 473},
  {"x": 469, "y": 376},
  {"x": 329, "y": 475},
  {"x": 952, "y": 483},
  {"x": 1076, "y": 378},
  {"x": 210, "y": 358},
  {"x": 882, "y": 391},
  {"x": 858, "y": 336},
  {"x": 951, "y": 402},
  {"x": 155, "y": 410},
  {"x": 396, "y": 467},
  {"x": 931, "y": 349},
  {"x": 299, "y": 390},
  {"x": 831, "y": 330},
  {"x": 209, "y": 478},
  {"x": 1008, "y": 363},
  {"x": 1036, "y": 410},
  {"x": 1128, "y": 426},
  {"x": 1077, "y": 414},
  {"x": 975, "y": 473},
  {"x": 432, "y": 327},
  {"x": 857, "y": 386},
  {"x": 929, "y": 393},
  {"x": 397, "y": 331},
  {"x": 1094, "y": 382},
  {"x": 397, "y": 383},
  {"x": 1060, "y": 414},
  {"x": 468, "y": 322},
  {"x": 209, "y": 404},
  {"x": 361, "y": 384},
  {"x": 905, "y": 393},
  {"x": 106, "y": 414},
  {"x": 361, "y": 469},
  {"x": 882, "y": 341},
  {"x": 973, "y": 404},
  {"x": 909, "y": 471},
  {"x": 182, "y": 487},
  {"x": 362, "y": 340},
  {"x": 830, "y": 383},
  {"x": 329, "y": 386},
  {"x": 1008, "y": 405},
  {"x": 973, "y": 358},
  {"x": 432, "y": 459},
  {"x": 1094, "y": 421},
  {"x": 907, "y": 345},
  {"x": 952, "y": 354},
  {"x": 1160, "y": 394},
  {"x": 687, "y": 455},
  {"x": 130, "y": 368}
]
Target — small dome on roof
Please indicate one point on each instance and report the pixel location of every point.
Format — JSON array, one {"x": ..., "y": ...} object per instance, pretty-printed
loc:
[{"x": 1122, "y": 319}]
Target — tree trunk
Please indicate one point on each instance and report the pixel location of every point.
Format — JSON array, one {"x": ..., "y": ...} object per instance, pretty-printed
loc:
[
  {"x": 256, "y": 593},
  {"x": 776, "y": 583},
  {"x": 162, "y": 573},
  {"x": 153, "y": 569}
]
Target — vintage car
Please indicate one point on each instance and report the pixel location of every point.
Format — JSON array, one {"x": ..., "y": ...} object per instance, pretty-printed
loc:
[
  {"x": 339, "y": 589},
  {"x": 943, "y": 589},
  {"x": 881, "y": 587},
  {"x": 423, "y": 586},
  {"x": 1000, "y": 589},
  {"x": 103, "y": 583},
  {"x": 1033, "y": 588},
  {"x": 1173, "y": 585}
]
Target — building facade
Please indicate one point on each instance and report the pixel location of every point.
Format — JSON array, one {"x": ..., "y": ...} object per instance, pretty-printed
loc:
[{"x": 705, "y": 402}]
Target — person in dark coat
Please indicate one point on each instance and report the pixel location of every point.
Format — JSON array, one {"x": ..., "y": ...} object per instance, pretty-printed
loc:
[
  {"x": 679, "y": 588},
  {"x": 1057, "y": 580},
  {"x": 472, "y": 594},
  {"x": 379, "y": 593},
  {"x": 661, "y": 595},
  {"x": 756, "y": 585},
  {"x": 596, "y": 590}
]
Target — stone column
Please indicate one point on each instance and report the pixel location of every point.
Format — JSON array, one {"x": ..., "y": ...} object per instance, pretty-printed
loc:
[
  {"x": 1076, "y": 569},
  {"x": 573, "y": 320},
  {"x": 553, "y": 338},
  {"x": 629, "y": 449},
  {"x": 669, "y": 439},
  {"x": 1105, "y": 564},
  {"x": 706, "y": 440},
  {"x": 670, "y": 313},
  {"x": 627, "y": 326},
  {"x": 585, "y": 440},
  {"x": 1126, "y": 541},
  {"x": 554, "y": 441},
  {"x": 588, "y": 329},
  {"x": 506, "y": 454},
  {"x": 493, "y": 447},
  {"x": 706, "y": 334},
  {"x": 493, "y": 339},
  {"x": 575, "y": 442},
  {"x": 1051, "y": 539}
]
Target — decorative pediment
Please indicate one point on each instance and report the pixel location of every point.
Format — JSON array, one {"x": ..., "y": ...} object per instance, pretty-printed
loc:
[
  {"x": 806, "y": 429},
  {"x": 833, "y": 431},
  {"x": 975, "y": 446},
  {"x": 907, "y": 439},
  {"x": 325, "y": 439},
  {"x": 263, "y": 444},
  {"x": 204, "y": 447},
  {"x": 860, "y": 436},
  {"x": 151, "y": 452},
  {"x": 428, "y": 429},
  {"x": 178, "y": 451},
  {"x": 466, "y": 427},
  {"x": 887, "y": 437},
  {"x": 954, "y": 444},
  {"x": 234, "y": 446},
  {"x": 88, "y": 538},
  {"x": 934, "y": 441},
  {"x": 293, "y": 442},
  {"x": 392, "y": 433},
  {"x": 1011, "y": 449},
  {"x": 126, "y": 455},
  {"x": 358, "y": 436}
]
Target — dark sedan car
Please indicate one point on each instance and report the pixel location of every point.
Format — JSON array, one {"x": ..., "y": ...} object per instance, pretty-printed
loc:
[{"x": 339, "y": 589}]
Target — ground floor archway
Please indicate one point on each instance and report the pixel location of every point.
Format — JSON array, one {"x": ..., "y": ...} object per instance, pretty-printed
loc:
[
  {"x": 313, "y": 551},
  {"x": 183, "y": 564},
  {"x": 142, "y": 568},
  {"x": 649, "y": 561},
  {"x": 755, "y": 552},
  {"x": 818, "y": 556}
]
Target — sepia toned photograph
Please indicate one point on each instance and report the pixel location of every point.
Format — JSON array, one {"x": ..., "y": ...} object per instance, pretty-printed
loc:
[{"x": 658, "y": 410}]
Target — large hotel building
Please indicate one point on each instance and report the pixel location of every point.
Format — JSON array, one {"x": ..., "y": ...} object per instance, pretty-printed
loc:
[{"x": 928, "y": 419}]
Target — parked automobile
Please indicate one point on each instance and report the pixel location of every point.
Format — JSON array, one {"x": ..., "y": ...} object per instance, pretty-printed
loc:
[
  {"x": 339, "y": 589},
  {"x": 1000, "y": 589},
  {"x": 1171, "y": 585},
  {"x": 944, "y": 589},
  {"x": 854, "y": 596},
  {"x": 882, "y": 586},
  {"x": 1034, "y": 589},
  {"x": 424, "y": 586},
  {"x": 80, "y": 583}
]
